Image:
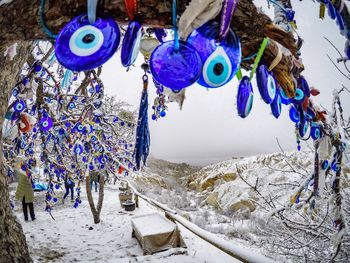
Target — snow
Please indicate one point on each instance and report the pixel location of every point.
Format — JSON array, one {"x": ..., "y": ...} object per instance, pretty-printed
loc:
[
  {"x": 68, "y": 238},
  {"x": 152, "y": 224}
]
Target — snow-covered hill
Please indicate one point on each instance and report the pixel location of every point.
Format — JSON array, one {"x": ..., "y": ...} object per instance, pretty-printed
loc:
[{"x": 236, "y": 198}]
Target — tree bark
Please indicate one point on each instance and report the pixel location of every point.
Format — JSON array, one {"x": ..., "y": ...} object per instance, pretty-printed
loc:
[
  {"x": 20, "y": 21},
  {"x": 13, "y": 246},
  {"x": 95, "y": 211}
]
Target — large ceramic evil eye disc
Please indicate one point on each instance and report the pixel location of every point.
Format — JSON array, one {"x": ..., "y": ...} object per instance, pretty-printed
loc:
[
  {"x": 83, "y": 46},
  {"x": 86, "y": 41},
  {"x": 176, "y": 70},
  {"x": 221, "y": 59},
  {"x": 217, "y": 68}
]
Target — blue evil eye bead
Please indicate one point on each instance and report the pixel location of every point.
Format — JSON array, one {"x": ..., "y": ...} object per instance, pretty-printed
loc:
[
  {"x": 276, "y": 106},
  {"x": 175, "y": 69},
  {"x": 55, "y": 199},
  {"x": 303, "y": 128},
  {"x": 316, "y": 131},
  {"x": 83, "y": 46},
  {"x": 284, "y": 98},
  {"x": 25, "y": 81},
  {"x": 131, "y": 43},
  {"x": 324, "y": 164},
  {"x": 299, "y": 96},
  {"x": 78, "y": 149},
  {"x": 220, "y": 60},
  {"x": 80, "y": 127},
  {"x": 304, "y": 86},
  {"x": 71, "y": 105},
  {"x": 310, "y": 114},
  {"x": 294, "y": 115},
  {"x": 266, "y": 84},
  {"x": 15, "y": 92},
  {"x": 57, "y": 186},
  {"x": 46, "y": 123},
  {"x": 245, "y": 97},
  {"x": 97, "y": 104},
  {"x": 335, "y": 166},
  {"x": 19, "y": 106},
  {"x": 331, "y": 10}
]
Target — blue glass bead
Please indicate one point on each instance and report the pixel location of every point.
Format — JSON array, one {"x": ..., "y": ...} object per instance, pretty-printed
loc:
[{"x": 131, "y": 43}]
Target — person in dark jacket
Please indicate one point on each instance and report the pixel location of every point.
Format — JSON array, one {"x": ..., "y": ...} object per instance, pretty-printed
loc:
[
  {"x": 25, "y": 194},
  {"x": 69, "y": 186},
  {"x": 94, "y": 178}
]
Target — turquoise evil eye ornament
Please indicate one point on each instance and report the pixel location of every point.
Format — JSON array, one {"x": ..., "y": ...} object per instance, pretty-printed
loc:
[
  {"x": 266, "y": 84},
  {"x": 83, "y": 46},
  {"x": 245, "y": 97},
  {"x": 221, "y": 58},
  {"x": 175, "y": 69}
]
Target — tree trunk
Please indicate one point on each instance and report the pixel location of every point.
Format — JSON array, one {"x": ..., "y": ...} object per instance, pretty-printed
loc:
[
  {"x": 95, "y": 212},
  {"x": 19, "y": 20},
  {"x": 13, "y": 246}
]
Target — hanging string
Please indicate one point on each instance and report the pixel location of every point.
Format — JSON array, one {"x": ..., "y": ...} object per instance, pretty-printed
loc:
[
  {"x": 176, "y": 34},
  {"x": 42, "y": 21},
  {"x": 91, "y": 6}
]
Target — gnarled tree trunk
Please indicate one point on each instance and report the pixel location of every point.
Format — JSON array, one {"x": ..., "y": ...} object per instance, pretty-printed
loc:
[{"x": 13, "y": 246}]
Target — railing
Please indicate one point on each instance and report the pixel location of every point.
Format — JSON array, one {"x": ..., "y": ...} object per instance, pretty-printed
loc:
[{"x": 240, "y": 253}]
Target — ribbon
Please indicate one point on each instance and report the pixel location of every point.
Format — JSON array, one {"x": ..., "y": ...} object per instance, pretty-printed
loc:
[{"x": 258, "y": 57}]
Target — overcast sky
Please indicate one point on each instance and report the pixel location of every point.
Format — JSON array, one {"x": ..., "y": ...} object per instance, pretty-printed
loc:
[{"x": 208, "y": 129}]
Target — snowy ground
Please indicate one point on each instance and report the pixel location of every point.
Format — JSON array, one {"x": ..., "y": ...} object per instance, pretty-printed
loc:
[{"x": 73, "y": 237}]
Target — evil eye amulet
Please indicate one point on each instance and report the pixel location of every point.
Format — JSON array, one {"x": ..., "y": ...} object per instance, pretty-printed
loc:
[
  {"x": 276, "y": 105},
  {"x": 83, "y": 46},
  {"x": 175, "y": 69},
  {"x": 221, "y": 60},
  {"x": 299, "y": 96},
  {"x": 316, "y": 131},
  {"x": 244, "y": 97},
  {"x": 266, "y": 84},
  {"x": 131, "y": 43}
]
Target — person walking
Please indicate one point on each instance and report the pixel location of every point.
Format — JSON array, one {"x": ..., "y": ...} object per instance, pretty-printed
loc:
[
  {"x": 94, "y": 178},
  {"x": 25, "y": 194},
  {"x": 69, "y": 185}
]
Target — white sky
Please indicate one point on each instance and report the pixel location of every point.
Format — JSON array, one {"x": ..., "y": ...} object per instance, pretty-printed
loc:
[{"x": 208, "y": 129}]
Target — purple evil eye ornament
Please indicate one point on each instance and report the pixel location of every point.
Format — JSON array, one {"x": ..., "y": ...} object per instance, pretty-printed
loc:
[
  {"x": 244, "y": 97},
  {"x": 46, "y": 123},
  {"x": 131, "y": 43},
  {"x": 276, "y": 105},
  {"x": 175, "y": 69},
  {"x": 221, "y": 58},
  {"x": 266, "y": 84},
  {"x": 83, "y": 46},
  {"x": 19, "y": 106}
]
